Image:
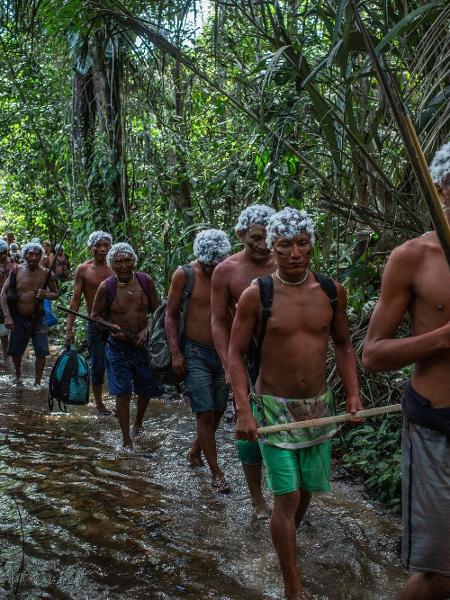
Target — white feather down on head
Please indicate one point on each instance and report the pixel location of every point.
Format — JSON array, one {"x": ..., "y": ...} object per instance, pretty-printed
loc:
[
  {"x": 3, "y": 246},
  {"x": 211, "y": 246},
  {"x": 288, "y": 223},
  {"x": 32, "y": 247},
  {"x": 440, "y": 165},
  {"x": 116, "y": 249},
  {"x": 257, "y": 214},
  {"x": 96, "y": 236}
]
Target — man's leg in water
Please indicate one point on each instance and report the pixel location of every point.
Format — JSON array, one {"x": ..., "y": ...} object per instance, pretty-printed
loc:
[
  {"x": 141, "y": 407},
  {"x": 426, "y": 586},
  {"x": 5, "y": 347},
  {"x": 195, "y": 453},
  {"x": 253, "y": 476},
  {"x": 96, "y": 348},
  {"x": 283, "y": 530},
  {"x": 123, "y": 415},
  {"x": 207, "y": 423},
  {"x": 39, "y": 369},
  {"x": 305, "y": 499},
  {"x": 17, "y": 360}
]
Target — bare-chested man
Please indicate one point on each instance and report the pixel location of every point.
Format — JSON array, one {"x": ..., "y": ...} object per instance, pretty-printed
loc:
[
  {"x": 123, "y": 301},
  {"x": 230, "y": 279},
  {"x": 88, "y": 276},
  {"x": 62, "y": 266},
  {"x": 47, "y": 259},
  {"x": 197, "y": 358},
  {"x": 291, "y": 385},
  {"x": 24, "y": 314},
  {"x": 5, "y": 268},
  {"x": 416, "y": 281}
]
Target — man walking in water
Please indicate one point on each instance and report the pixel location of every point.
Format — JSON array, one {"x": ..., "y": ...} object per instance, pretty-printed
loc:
[
  {"x": 88, "y": 276},
  {"x": 123, "y": 302},
  {"x": 5, "y": 268},
  {"x": 416, "y": 281},
  {"x": 197, "y": 358},
  {"x": 229, "y": 280},
  {"x": 291, "y": 385},
  {"x": 23, "y": 311}
]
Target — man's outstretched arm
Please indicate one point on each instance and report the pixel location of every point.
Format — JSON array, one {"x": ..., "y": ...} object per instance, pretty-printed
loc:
[
  {"x": 174, "y": 300},
  {"x": 382, "y": 351}
]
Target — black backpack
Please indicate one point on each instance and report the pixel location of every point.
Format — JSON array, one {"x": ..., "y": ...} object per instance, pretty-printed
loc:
[
  {"x": 159, "y": 355},
  {"x": 265, "y": 285}
]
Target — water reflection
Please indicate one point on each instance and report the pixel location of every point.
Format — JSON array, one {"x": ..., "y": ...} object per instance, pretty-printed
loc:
[{"x": 98, "y": 524}]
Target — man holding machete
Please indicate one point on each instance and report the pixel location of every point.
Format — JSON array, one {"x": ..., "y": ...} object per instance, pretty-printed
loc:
[{"x": 291, "y": 385}]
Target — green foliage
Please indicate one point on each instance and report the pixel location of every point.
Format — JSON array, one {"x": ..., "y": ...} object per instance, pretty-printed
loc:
[{"x": 373, "y": 451}]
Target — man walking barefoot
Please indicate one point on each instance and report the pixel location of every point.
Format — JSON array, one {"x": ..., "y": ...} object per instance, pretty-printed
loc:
[
  {"x": 197, "y": 358},
  {"x": 229, "y": 280},
  {"x": 291, "y": 385},
  {"x": 25, "y": 316},
  {"x": 88, "y": 276},
  {"x": 416, "y": 281},
  {"x": 123, "y": 302}
]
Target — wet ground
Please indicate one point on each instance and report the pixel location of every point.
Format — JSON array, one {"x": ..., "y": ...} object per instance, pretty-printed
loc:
[{"x": 79, "y": 520}]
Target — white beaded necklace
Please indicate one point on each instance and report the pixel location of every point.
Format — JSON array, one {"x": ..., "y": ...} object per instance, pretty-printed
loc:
[{"x": 302, "y": 280}]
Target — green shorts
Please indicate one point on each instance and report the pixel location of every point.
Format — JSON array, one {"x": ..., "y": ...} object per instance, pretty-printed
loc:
[
  {"x": 249, "y": 452},
  {"x": 290, "y": 470}
]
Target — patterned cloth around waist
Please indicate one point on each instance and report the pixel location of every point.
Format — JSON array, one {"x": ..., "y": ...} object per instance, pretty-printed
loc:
[{"x": 274, "y": 410}]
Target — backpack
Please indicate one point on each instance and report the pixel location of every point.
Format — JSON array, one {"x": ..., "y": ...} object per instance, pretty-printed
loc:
[
  {"x": 265, "y": 285},
  {"x": 69, "y": 380},
  {"x": 159, "y": 355}
]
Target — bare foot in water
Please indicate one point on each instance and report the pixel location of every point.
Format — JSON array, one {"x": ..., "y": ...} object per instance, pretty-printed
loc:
[
  {"x": 262, "y": 512},
  {"x": 195, "y": 460},
  {"x": 299, "y": 595}
]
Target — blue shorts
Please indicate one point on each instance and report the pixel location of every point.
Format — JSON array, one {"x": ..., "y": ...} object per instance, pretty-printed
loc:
[
  {"x": 128, "y": 371},
  {"x": 21, "y": 335},
  {"x": 205, "y": 379},
  {"x": 96, "y": 347}
]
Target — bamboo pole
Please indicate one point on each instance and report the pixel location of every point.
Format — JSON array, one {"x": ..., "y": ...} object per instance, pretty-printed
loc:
[
  {"x": 360, "y": 414},
  {"x": 407, "y": 130}
]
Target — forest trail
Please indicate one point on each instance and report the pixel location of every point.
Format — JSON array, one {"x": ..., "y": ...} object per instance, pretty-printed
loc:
[{"x": 97, "y": 524}]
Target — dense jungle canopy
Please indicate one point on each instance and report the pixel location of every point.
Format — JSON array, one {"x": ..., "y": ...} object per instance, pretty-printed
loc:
[{"x": 152, "y": 119}]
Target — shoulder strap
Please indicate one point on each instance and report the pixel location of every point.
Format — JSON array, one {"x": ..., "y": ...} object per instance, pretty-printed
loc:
[
  {"x": 190, "y": 280},
  {"x": 265, "y": 285},
  {"x": 329, "y": 287},
  {"x": 111, "y": 288},
  {"x": 144, "y": 282}
]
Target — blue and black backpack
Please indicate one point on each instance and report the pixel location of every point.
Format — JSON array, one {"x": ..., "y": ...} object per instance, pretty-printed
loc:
[{"x": 69, "y": 380}]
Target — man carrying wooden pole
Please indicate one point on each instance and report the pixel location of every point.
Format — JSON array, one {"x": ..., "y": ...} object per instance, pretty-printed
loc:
[{"x": 306, "y": 309}]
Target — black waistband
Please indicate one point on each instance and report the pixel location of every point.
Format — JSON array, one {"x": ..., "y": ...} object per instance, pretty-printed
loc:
[
  {"x": 211, "y": 348},
  {"x": 420, "y": 411}
]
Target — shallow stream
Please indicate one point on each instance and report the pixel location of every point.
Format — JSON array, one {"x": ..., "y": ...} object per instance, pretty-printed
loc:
[{"x": 79, "y": 520}]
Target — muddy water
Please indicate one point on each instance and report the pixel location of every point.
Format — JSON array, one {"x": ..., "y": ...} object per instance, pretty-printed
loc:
[{"x": 79, "y": 520}]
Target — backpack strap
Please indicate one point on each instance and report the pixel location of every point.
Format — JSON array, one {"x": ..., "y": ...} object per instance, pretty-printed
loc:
[
  {"x": 144, "y": 282},
  {"x": 265, "y": 285},
  {"x": 111, "y": 289},
  {"x": 190, "y": 281},
  {"x": 329, "y": 287}
]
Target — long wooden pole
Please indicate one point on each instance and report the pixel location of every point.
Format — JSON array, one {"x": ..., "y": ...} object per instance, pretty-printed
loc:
[
  {"x": 360, "y": 414},
  {"x": 410, "y": 139}
]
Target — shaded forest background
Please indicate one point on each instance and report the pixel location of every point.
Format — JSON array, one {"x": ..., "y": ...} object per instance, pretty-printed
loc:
[{"x": 154, "y": 119}]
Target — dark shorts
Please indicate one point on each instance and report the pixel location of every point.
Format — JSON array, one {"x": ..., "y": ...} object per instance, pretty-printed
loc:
[
  {"x": 128, "y": 371},
  {"x": 96, "y": 347},
  {"x": 21, "y": 335},
  {"x": 205, "y": 379},
  {"x": 249, "y": 452}
]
